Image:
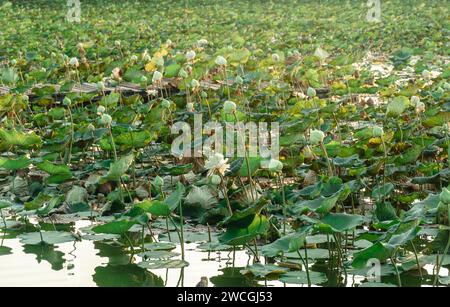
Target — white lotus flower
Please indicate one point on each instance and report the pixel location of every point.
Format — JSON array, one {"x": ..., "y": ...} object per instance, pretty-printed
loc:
[
  {"x": 116, "y": 73},
  {"x": 201, "y": 196},
  {"x": 217, "y": 164}
]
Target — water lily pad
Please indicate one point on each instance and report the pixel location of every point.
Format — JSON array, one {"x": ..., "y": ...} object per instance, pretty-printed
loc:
[
  {"x": 164, "y": 264},
  {"x": 261, "y": 270},
  {"x": 46, "y": 237},
  {"x": 115, "y": 227},
  {"x": 301, "y": 278}
]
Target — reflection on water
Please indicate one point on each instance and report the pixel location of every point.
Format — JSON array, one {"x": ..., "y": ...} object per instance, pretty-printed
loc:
[{"x": 107, "y": 263}]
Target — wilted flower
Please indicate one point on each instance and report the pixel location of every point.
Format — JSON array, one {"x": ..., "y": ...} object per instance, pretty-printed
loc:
[
  {"x": 74, "y": 62},
  {"x": 217, "y": 164},
  {"x": 311, "y": 92},
  {"x": 229, "y": 107},
  {"x": 201, "y": 196},
  {"x": 316, "y": 137},
  {"x": 190, "y": 107},
  {"x": 190, "y": 55},
  {"x": 116, "y": 73},
  {"x": 420, "y": 107},
  {"x": 101, "y": 110},
  {"x": 106, "y": 119},
  {"x": 221, "y": 61},
  {"x": 157, "y": 76}
]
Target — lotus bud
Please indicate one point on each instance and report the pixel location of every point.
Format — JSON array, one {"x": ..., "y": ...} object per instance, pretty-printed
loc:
[
  {"x": 221, "y": 61},
  {"x": 101, "y": 86},
  {"x": 165, "y": 104},
  {"x": 229, "y": 107},
  {"x": 426, "y": 74},
  {"x": 190, "y": 107},
  {"x": 311, "y": 92},
  {"x": 101, "y": 110},
  {"x": 195, "y": 83},
  {"x": 67, "y": 101},
  {"x": 216, "y": 180},
  {"x": 275, "y": 165},
  {"x": 106, "y": 119},
  {"x": 316, "y": 137},
  {"x": 377, "y": 131},
  {"x": 74, "y": 62},
  {"x": 157, "y": 76},
  {"x": 445, "y": 196},
  {"x": 190, "y": 55},
  {"x": 415, "y": 100},
  {"x": 158, "y": 181},
  {"x": 182, "y": 73}
]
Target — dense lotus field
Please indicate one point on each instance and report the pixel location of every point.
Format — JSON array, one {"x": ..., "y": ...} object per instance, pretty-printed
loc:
[{"x": 358, "y": 196}]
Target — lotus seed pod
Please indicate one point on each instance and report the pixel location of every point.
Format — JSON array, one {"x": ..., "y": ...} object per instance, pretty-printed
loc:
[
  {"x": 158, "y": 181},
  {"x": 216, "y": 180},
  {"x": 445, "y": 196},
  {"x": 106, "y": 120},
  {"x": 415, "y": 100},
  {"x": 229, "y": 107},
  {"x": 377, "y": 131},
  {"x": 190, "y": 107},
  {"x": 275, "y": 165},
  {"x": 316, "y": 137},
  {"x": 190, "y": 55},
  {"x": 221, "y": 61},
  {"x": 67, "y": 101},
  {"x": 311, "y": 92},
  {"x": 101, "y": 110},
  {"x": 157, "y": 76}
]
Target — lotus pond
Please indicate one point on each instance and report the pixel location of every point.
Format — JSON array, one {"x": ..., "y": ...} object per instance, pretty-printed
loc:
[{"x": 93, "y": 194}]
